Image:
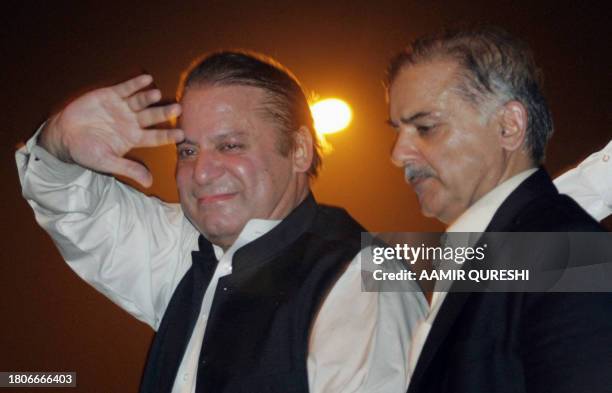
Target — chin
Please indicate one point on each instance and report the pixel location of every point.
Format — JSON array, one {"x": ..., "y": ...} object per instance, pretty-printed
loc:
[
  {"x": 427, "y": 207},
  {"x": 435, "y": 206},
  {"x": 434, "y": 212},
  {"x": 220, "y": 238},
  {"x": 427, "y": 213},
  {"x": 221, "y": 230},
  {"x": 216, "y": 231}
]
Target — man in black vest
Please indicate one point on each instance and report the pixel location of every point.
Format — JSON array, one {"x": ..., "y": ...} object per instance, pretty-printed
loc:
[
  {"x": 472, "y": 127},
  {"x": 245, "y": 311}
]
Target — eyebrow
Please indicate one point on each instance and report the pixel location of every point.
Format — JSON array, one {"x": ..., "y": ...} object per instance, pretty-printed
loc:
[
  {"x": 216, "y": 138},
  {"x": 414, "y": 117},
  {"x": 408, "y": 120},
  {"x": 186, "y": 141}
]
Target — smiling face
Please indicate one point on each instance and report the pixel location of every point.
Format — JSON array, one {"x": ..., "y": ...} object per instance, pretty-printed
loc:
[
  {"x": 450, "y": 151},
  {"x": 229, "y": 168}
]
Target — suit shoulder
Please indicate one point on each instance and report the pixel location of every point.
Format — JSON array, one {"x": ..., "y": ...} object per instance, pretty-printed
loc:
[{"x": 556, "y": 213}]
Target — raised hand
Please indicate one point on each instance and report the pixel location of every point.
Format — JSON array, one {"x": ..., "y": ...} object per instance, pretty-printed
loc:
[{"x": 97, "y": 129}]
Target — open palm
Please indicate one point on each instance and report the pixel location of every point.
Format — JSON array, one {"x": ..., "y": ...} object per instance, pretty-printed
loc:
[{"x": 97, "y": 129}]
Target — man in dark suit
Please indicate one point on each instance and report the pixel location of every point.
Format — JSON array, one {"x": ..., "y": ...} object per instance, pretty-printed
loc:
[{"x": 472, "y": 126}]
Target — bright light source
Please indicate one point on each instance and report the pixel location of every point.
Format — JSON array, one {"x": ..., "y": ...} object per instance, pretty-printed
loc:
[{"x": 331, "y": 115}]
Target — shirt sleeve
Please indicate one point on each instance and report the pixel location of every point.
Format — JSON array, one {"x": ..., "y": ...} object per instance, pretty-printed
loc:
[
  {"x": 360, "y": 340},
  {"x": 590, "y": 183},
  {"x": 128, "y": 246}
]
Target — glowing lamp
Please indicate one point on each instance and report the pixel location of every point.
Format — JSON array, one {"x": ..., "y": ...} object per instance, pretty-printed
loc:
[{"x": 331, "y": 115}]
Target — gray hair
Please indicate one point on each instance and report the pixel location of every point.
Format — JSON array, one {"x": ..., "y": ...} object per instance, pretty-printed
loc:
[{"x": 495, "y": 67}]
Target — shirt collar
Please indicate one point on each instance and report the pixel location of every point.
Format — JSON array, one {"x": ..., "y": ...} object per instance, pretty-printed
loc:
[
  {"x": 477, "y": 217},
  {"x": 254, "y": 229},
  {"x": 270, "y": 241}
]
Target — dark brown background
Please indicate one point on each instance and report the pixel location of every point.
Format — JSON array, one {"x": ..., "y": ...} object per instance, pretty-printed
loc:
[{"x": 52, "y": 321}]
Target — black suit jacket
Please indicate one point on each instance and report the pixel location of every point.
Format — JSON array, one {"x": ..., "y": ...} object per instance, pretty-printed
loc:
[{"x": 522, "y": 342}]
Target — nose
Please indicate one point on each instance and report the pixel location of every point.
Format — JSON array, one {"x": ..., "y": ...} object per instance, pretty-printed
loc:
[
  {"x": 208, "y": 168},
  {"x": 405, "y": 149}
]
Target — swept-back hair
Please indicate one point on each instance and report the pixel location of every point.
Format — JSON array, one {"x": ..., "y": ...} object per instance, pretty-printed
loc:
[{"x": 285, "y": 100}]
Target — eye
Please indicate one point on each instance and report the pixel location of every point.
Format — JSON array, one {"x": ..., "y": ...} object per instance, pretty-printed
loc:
[
  {"x": 422, "y": 129},
  {"x": 186, "y": 152},
  {"x": 229, "y": 147}
]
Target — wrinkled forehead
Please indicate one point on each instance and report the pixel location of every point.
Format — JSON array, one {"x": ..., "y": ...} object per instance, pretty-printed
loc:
[
  {"x": 211, "y": 99},
  {"x": 421, "y": 86},
  {"x": 221, "y": 107}
]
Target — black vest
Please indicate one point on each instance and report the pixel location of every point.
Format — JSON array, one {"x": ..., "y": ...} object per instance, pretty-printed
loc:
[{"x": 257, "y": 334}]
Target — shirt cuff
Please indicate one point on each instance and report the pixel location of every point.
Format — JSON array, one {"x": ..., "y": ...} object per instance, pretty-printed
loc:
[
  {"x": 35, "y": 159},
  {"x": 590, "y": 183}
]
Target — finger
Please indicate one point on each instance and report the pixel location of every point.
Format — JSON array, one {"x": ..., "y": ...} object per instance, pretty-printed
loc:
[
  {"x": 152, "y": 138},
  {"x": 141, "y": 100},
  {"x": 158, "y": 114},
  {"x": 131, "y": 169},
  {"x": 129, "y": 87}
]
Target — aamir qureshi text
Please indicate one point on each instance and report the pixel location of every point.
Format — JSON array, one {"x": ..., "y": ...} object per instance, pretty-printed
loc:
[{"x": 458, "y": 255}]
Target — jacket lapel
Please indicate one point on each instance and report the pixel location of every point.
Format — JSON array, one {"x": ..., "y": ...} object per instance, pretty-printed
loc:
[{"x": 449, "y": 311}]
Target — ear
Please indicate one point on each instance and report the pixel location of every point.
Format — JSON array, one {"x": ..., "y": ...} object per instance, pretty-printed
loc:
[
  {"x": 513, "y": 124},
  {"x": 302, "y": 151}
]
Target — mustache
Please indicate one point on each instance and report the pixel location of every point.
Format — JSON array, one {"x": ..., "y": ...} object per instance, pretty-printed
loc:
[{"x": 413, "y": 173}]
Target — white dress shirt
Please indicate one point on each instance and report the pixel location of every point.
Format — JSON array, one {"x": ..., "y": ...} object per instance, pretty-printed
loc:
[{"x": 135, "y": 250}]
